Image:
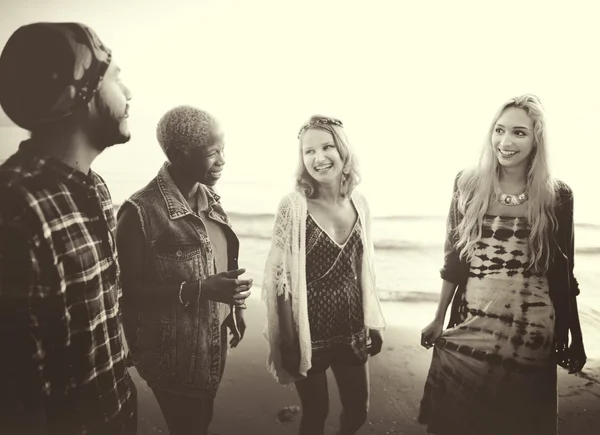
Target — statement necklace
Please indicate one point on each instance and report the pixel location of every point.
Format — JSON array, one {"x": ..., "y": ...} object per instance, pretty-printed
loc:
[{"x": 512, "y": 200}]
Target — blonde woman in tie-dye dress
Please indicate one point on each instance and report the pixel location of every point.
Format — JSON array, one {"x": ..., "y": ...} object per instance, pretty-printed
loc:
[{"x": 508, "y": 271}]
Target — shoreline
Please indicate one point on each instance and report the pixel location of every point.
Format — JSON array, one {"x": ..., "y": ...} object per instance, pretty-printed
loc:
[{"x": 412, "y": 280}]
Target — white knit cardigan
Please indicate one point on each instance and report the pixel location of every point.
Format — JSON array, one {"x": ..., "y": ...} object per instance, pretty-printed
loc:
[{"x": 285, "y": 274}]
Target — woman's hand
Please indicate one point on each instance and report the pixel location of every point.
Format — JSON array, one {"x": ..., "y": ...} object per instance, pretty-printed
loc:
[
  {"x": 225, "y": 287},
  {"x": 431, "y": 333},
  {"x": 241, "y": 325},
  {"x": 374, "y": 347},
  {"x": 231, "y": 322},
  {"x": 577, "y": 357}
]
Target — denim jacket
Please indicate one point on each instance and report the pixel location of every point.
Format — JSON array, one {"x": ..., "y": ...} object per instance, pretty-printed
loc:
[
  {"x": 561, "y": 280},
  {"x": 179, "y": 349}
]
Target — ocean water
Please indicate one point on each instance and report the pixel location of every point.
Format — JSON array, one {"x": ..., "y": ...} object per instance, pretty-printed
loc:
[
  {"x": 408, "y": 246},
  {"x": 404, "y": 233}
]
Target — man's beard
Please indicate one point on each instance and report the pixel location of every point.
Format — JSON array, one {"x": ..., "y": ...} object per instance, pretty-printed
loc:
[{"x": 108, "y": 131}]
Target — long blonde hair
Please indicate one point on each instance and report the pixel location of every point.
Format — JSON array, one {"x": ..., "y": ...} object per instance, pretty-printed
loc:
[
  {"x": 350, "y": 175},
  {"x": 477, "y": 187}
]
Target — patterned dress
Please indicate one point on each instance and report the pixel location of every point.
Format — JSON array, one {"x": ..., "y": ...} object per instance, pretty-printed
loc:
[
  {"x": 334, "y": 297},
  {"x": 494, "y": 373}
]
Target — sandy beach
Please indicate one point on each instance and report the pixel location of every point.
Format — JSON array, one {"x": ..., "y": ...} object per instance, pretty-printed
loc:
[
  {"x": 249, "y": 398},
  {"x": 408, "y": 282}
]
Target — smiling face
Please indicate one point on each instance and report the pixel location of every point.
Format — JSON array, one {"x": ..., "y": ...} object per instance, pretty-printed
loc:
[
  {"x": 207, "y": 161},
  {"x": 202, "y": 163},
  {"x": 512, "y": 138},
  {"x": 321, "y": 157}
]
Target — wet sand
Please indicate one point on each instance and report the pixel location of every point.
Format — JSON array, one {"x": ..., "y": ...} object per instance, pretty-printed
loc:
[{"x": 249, "y": 398}]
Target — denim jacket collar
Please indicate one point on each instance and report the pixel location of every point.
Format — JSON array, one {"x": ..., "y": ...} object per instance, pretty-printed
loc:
[{"x": 176, "y": 204}]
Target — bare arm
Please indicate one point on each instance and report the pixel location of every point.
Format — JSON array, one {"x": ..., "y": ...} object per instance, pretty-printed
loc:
[
  {"x": 433, "y": 331},
  {"x": 452, "y": 272},
  {"x": 448, "y": 290},
  {"x": 575, "y": 327}
]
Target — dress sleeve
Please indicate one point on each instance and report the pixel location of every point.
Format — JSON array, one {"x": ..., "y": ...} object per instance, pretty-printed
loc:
[
  {"x": 277, "y": 271},
  {"x": 453, "y": 269},
  {"x": 569, "y": 236},
  {"x": 276, "y": 292}
]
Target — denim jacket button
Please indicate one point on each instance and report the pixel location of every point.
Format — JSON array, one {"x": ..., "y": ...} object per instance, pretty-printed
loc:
[{"x": 179, "y": 253}]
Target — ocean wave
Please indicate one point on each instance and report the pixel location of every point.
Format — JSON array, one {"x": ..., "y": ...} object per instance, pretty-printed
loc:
[
  {"x": 587, "y": 225},
  {"x": 400, "y": 245},
  {"x": 265, "y": 216},
  {"x": 234, "y": 215},
  {"x": 390, "y": 245},
  {"x": 421, "y": 232},
  {"x": 407, "y": 296},
  {"x": 595, "y": 250}
]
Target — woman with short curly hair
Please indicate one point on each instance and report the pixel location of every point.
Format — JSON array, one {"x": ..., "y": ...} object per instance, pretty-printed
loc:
[{"x": 179, "y": 262}]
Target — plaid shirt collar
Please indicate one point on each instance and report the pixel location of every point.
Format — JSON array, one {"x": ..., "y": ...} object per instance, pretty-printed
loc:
[{"x": 46, "y": 163}]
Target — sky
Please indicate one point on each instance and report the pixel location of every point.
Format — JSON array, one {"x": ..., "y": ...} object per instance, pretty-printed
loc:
[{"x": 415, "y": 83}]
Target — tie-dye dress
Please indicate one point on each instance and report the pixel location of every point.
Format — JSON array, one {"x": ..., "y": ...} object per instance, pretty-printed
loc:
[{"x": 494, "y": 373}]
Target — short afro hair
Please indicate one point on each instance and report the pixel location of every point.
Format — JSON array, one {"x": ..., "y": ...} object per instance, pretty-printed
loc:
[{"x": 182, "y": 129}]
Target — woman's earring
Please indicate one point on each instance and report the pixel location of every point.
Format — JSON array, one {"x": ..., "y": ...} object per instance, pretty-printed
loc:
[{"x": 343, "y": 186}]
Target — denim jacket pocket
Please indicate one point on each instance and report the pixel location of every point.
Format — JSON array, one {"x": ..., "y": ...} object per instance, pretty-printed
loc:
[{"x": 178, "y": 262}]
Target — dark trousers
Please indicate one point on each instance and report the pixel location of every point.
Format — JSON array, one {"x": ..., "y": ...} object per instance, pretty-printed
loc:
[{"x": 186, "y": 415}]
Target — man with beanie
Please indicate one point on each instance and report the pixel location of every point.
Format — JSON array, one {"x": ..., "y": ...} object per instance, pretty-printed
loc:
[
  {"x": 179, "y": 258},
  {"x": 62, "y": 369}
]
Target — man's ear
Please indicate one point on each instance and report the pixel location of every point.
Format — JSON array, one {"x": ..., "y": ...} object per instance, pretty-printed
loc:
[{"x": 92, "y": 109}]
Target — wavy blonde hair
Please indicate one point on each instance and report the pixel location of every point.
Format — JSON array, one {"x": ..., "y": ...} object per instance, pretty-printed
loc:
[
  {"x": 477, "y": 187},
  {"x": 350, "y": 174}
]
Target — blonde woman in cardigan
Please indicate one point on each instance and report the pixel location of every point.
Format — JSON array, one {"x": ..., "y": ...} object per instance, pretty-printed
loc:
[{"x": 323, "y": 309}]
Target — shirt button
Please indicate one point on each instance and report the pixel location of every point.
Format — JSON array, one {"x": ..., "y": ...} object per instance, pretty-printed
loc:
[{"x": 179, "y": 253}]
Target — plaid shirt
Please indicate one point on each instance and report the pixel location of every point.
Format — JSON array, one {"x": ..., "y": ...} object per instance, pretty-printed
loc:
[{"x": 59, "y": 295}]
